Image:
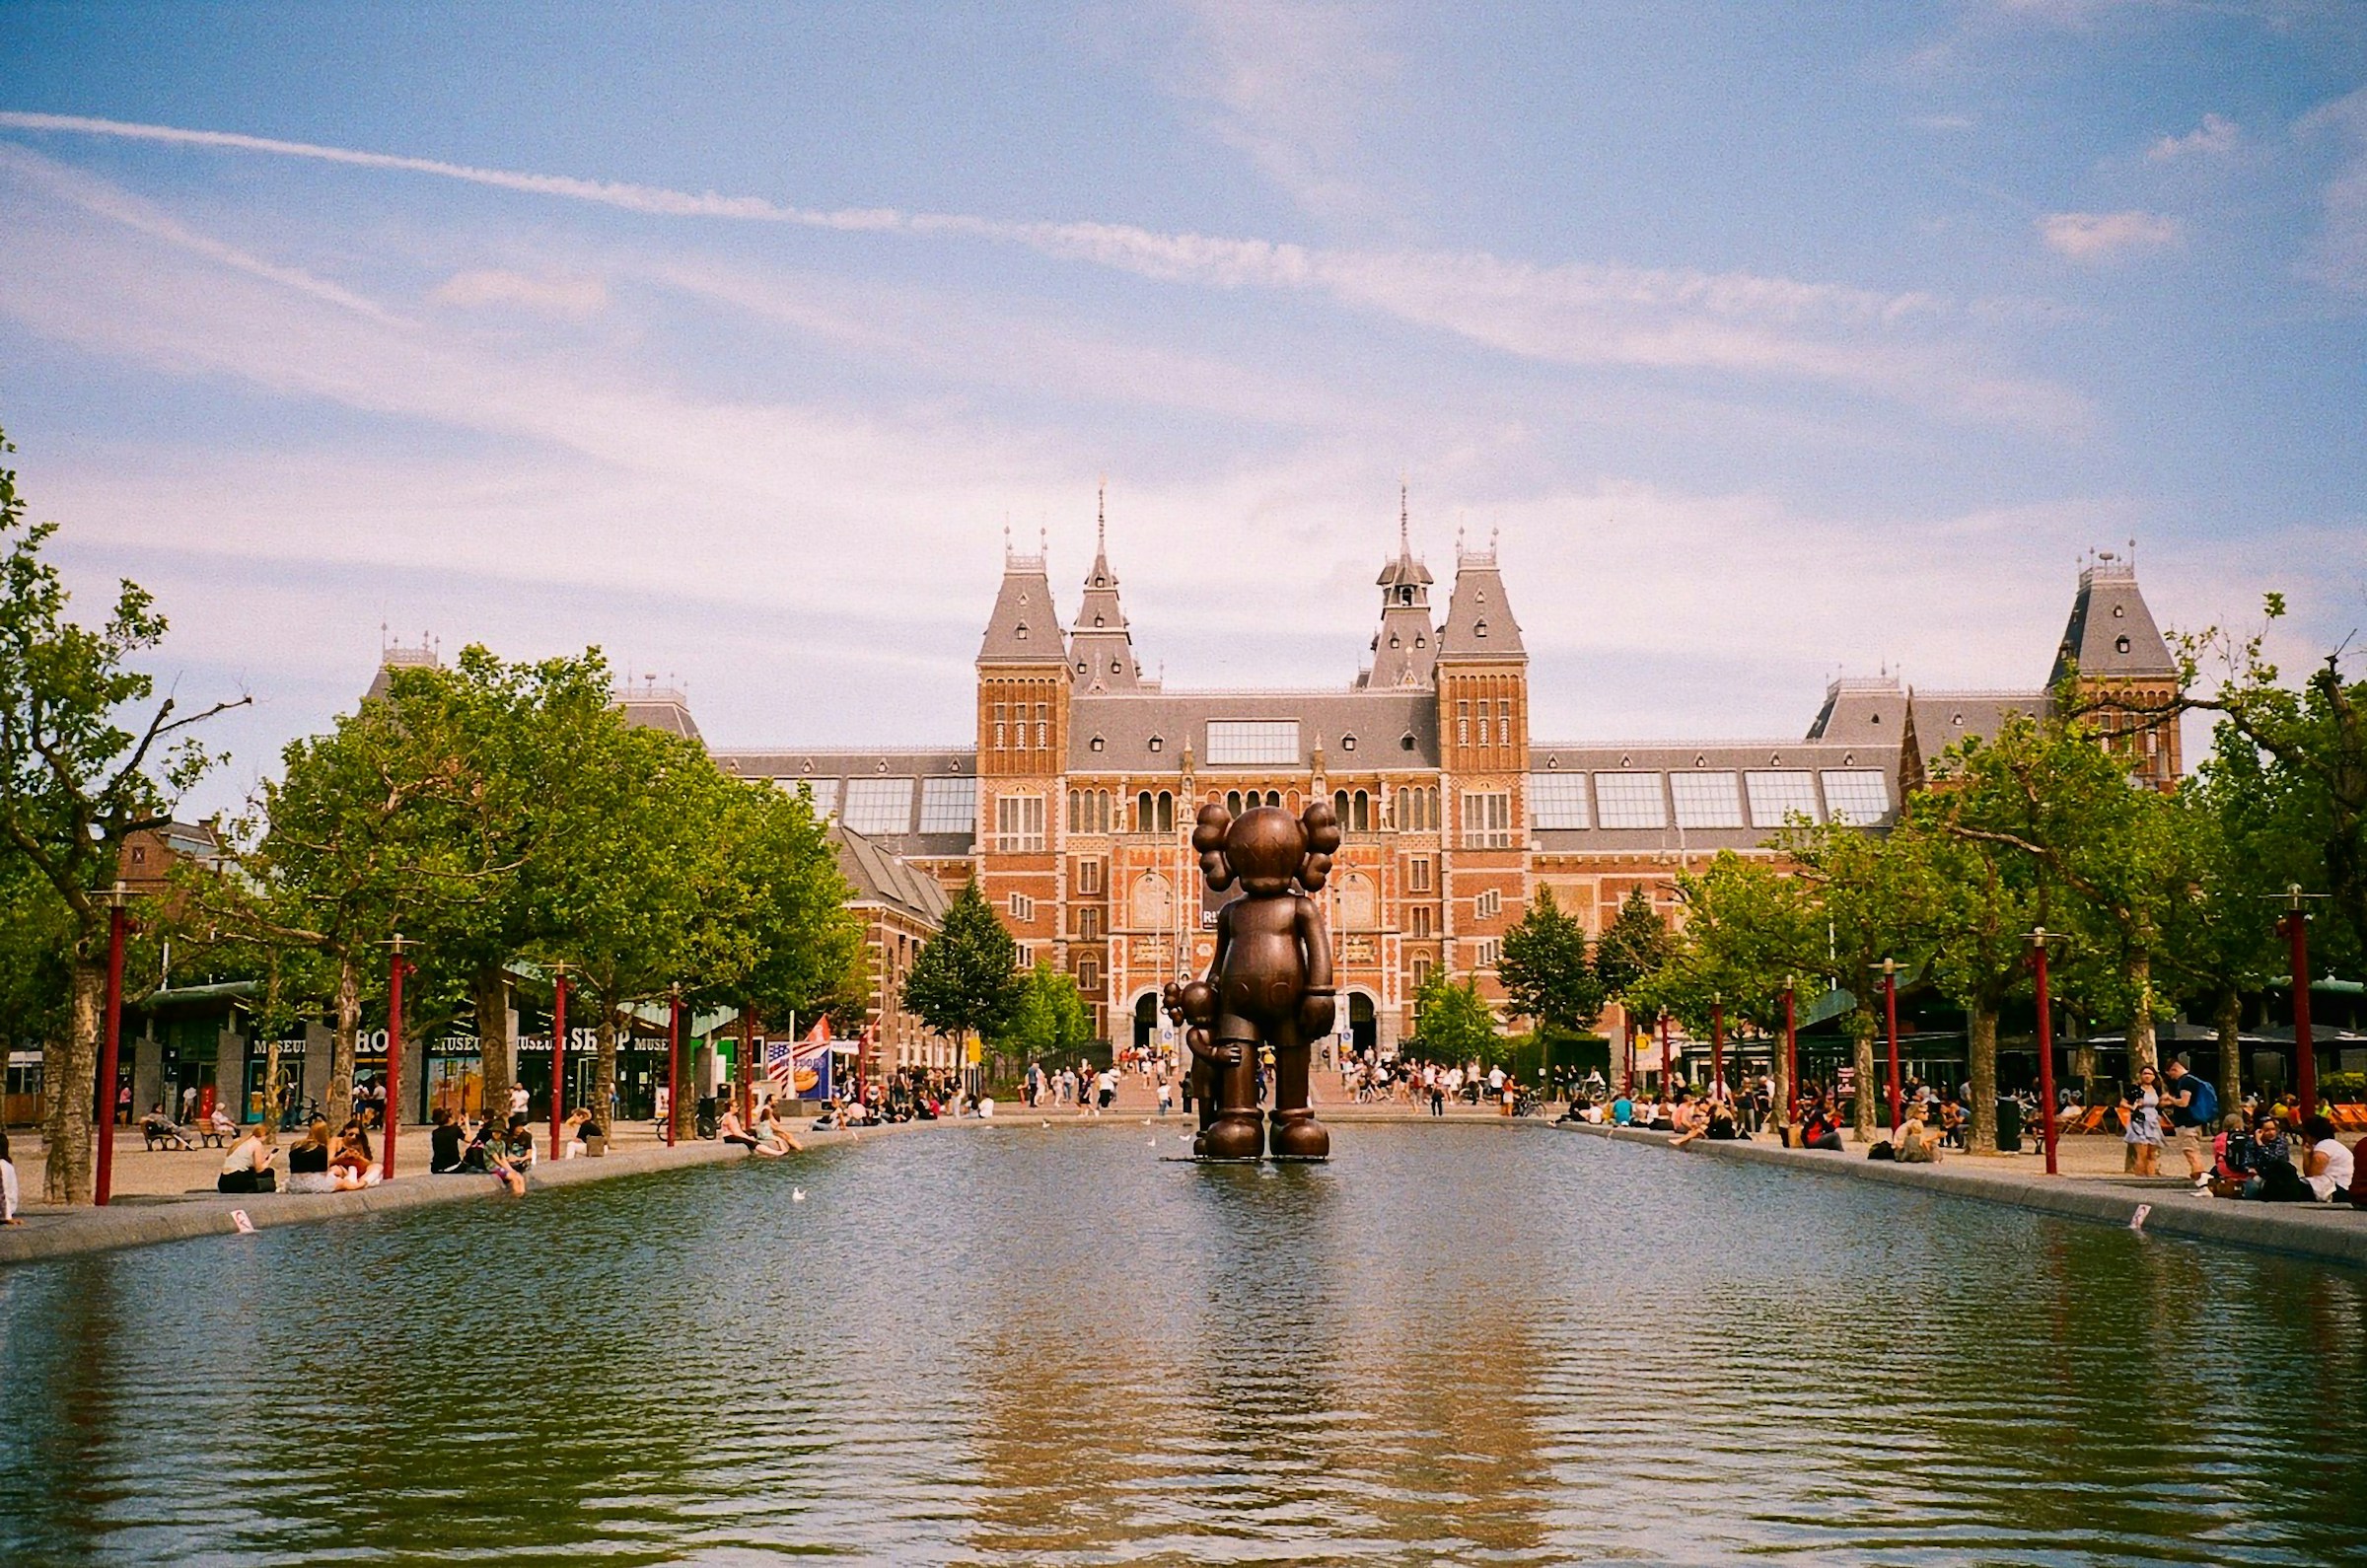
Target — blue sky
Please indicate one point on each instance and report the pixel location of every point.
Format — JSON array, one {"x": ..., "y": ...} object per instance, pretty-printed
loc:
[{"x": 1768, "y": 345}]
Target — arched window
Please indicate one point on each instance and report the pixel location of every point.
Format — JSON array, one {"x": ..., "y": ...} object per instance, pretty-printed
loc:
[
  {"x": 1142, "y": 813},
  {"x": 1153, "y": 906},
  {"x": 1089, "y": 978},
  {"x": 1363, "y": 820},
  {"x": 1403, "y": 822},
  {"x": 1232, "y": 803},
  {"x": 1273, "y": 798},
  {"x": 1167, "y": 811},
  {"x": 1339, "y": 806},
  {"x": 1075, "y": 805}
]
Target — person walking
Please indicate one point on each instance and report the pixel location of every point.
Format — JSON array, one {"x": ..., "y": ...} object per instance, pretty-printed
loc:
[{"x": 2192, "y": 1105}]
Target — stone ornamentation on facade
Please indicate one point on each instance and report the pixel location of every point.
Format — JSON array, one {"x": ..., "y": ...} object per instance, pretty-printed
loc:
[{"x": 1269, "y": 983}]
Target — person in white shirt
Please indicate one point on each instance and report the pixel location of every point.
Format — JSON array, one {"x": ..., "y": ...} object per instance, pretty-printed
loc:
[
  {"x": 2328, "y": 1167},
  {"x": 520, "y": 1100},
  {"x": 8, "y": 1185}
]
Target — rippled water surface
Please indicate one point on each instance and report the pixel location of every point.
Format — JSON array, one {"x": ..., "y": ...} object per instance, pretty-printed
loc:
[{"x": 1028, "y": 1346}]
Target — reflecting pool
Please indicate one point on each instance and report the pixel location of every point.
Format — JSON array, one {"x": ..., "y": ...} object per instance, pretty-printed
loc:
[{"x": 1028, "y": 1346}]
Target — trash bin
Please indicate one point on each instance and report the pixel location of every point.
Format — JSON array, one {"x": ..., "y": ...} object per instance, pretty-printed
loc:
[{"x": 2009, "y": 1127}]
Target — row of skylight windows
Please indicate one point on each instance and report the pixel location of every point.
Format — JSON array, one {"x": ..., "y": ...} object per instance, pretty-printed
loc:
[
  {"x": 1707, "y": 798},
  {"x": 885, "y": 805}
]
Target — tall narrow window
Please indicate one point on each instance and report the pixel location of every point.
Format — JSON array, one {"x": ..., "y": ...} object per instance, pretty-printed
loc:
[
  {"x": 1142, "y": 813},
  {"x": 1167, "y": 811},
  {"x": 1486, "y": 820}
]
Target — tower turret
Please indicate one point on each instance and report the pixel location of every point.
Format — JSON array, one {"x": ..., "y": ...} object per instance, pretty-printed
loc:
[
  {"x": 2125, "y": 677},
  {"x": 1405, "y": 648},
  {"x": 1100, "y": 650}
]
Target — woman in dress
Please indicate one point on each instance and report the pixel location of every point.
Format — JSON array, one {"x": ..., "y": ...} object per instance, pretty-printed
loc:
[{"x": 2141, "y": 1111}]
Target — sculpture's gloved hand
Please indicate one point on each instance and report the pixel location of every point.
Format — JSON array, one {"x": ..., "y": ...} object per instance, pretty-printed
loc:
[{"x": 1317, "y": 1012}]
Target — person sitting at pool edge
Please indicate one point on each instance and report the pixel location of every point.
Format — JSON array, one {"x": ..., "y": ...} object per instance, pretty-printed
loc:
[
  {"x": 444, "y": 1143},
  {"x": 1917, "y": 1143},
  {"x": 1623, "y": 1110},
  {"x": 246, "y": 1167},
  {"x": 1821, "y": 1129}
]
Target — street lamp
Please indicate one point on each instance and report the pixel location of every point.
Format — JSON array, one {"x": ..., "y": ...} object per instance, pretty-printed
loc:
[{"x": 111, "y": 1060}]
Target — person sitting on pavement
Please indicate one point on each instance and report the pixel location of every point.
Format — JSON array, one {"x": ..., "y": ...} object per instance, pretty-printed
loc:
[
  {"x": 246, "y": 1167},
  {"x": 443, "y": 1140},
  {"x": 2328, "y": 1167},
  {"x": 518, "y": 1143},
  {"x": 571, "y": 1133},
  {"x": 1692, "y": 1122},
  {"x": 2267, "y": 1167},
  {"x": 734, "y": 1130},
  {"x": 1821, "y": 1129},
  {"x": 773, "y": 1137},
  {"x": 1917, "y": 1144},
  {"x": 307, "y": 1161},
  {"x": 1622, "y": 1112},
  {"x": 353, "y": 1165},
  {"x": 1719, "y": 1124},
  {"x": 2229, "y": 1151}
]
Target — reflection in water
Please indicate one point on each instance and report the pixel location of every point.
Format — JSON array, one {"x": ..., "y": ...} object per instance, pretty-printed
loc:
[{"x": 1018, "y": 1345}]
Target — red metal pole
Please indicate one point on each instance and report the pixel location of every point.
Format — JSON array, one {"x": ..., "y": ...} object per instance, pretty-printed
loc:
[
  {"x": 394, "y": 970},
  {"x": 748, "y": 1065},
  {"x": 2305, "y": 1050},
  {"x": 1628, "y": 1036},
  {"x": 558, "y": 1059},
  {"x": 111, "y": 1058},
  {"x": 1717, "y": 1050},
  {"x": 1664, "y": 1055},
  {"x": 1791, "y": 1061},
  {"x": 1890, "y": 1015},
  {"x": 2046, "y": 1051},
  {"x": 674, "y": 1065}
]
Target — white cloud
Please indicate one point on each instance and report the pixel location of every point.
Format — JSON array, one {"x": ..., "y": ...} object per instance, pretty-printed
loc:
[
  {"x": 482, "y": 287},
  {"x": 2339, "y": 256},
  {"x": 1833, "y": 334},
  {"x": 1290, "y": 87},
  {"x": 2215, "y": 137},
  {"x": 2103, "y": 236}
]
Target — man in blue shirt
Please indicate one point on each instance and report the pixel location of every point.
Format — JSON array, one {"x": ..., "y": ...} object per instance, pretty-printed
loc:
[{"x": 1623, "y": 1110}]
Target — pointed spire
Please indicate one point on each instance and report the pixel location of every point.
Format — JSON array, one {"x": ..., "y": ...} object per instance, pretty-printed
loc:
[{"x": 1404, "y": 517}]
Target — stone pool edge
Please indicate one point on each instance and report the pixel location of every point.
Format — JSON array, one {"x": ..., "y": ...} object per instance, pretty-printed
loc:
[
  {"x": 54, "y": 1233},
  {"x": 2323, "y": 1236}
]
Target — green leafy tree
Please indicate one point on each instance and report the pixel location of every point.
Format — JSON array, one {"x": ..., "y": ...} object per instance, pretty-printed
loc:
[
  {"x": 1857, "y": 883},
  {"x": 1048, "y": 1022},
  {"x": 2307, "y": 767},
  {"x": 1629, "y": 951},
  {"x": 78, "y": 774},
  {"x": 2221, "y": 938},
  {"x": 966, "y": 979},
  {"x": 36, "y": 954},
  {"x": 1453, "y": 1021},
  {"x": 1750, "y": 930},
  {"x": 1544, "y": 970},
  {"x": 637, "y": 861}
]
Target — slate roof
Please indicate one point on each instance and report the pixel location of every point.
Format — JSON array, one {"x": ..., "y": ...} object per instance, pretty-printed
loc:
[
  {"x": 1025, "y": 628},
  {"x": 658, "y": 708},
  {"x": 1358, "y": 729},
  {"x": 2112, "y": 633},
  {"x": 1872, "y": 710},
  {"x": 1479, "y": 620},
  {"x": 882, "y": 877}
]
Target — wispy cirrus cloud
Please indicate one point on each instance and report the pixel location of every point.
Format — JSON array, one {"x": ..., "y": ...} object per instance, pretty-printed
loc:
[
  {"x": 1291, "y": 87},
  {"x": 482, "y": 288},
  {"x": 1887, "y": 344},
  {"x": 2107, "y": 236},
  {"x": 2338, "y": 256}
]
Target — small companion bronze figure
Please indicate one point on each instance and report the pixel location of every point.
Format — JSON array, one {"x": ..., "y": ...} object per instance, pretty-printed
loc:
[{"x": 1269, "y": 983}]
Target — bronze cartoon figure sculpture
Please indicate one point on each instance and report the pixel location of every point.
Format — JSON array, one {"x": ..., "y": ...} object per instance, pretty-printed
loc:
[{"x": 1269, "y": 983}]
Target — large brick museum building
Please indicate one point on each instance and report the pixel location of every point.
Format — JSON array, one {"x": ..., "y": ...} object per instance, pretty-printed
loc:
[{"x": 1073, "y": 803}]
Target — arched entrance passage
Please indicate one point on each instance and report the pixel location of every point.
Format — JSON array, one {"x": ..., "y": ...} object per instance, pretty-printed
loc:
[
  {"x": 1146, "y": 1020},
  {"x": 1364, "y": 1030}
]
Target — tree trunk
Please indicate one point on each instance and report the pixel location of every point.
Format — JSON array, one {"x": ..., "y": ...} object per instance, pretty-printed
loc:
[
  {"x": 2229, "y": 1018},
  {"x": 341, "y": 1042},
  {"x": 2143, "y": 1050},
  {"x": 271, "y": 1083},
  {"x": 70, "y": 1080},
  {"x": 1980, "y": 1116},
  {"x": 604, "y": 1071},
  {"x": 496, "y": 1052},
  {"x": 1780, "y": 1113},
  {"x": 1863, "y": 1038}
]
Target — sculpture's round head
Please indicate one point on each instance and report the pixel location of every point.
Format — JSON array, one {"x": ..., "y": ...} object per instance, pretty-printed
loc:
[{"x": 1265, "y": 848}]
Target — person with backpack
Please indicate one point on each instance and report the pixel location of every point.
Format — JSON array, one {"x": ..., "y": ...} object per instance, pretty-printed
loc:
[{"x": 2192, "y": 1104}]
